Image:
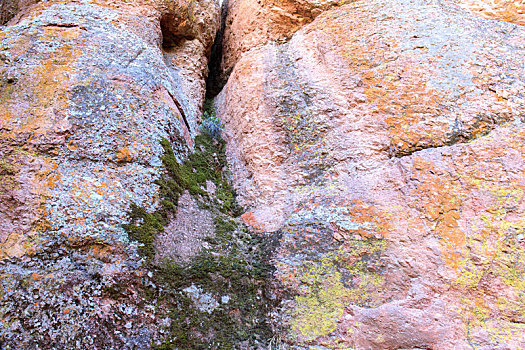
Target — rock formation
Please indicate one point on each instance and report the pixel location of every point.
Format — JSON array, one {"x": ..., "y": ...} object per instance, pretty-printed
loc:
[
  {"x": 367, "y": 192},
  {"x": 88, "y": 89},
  {"x": 252, "y": 23},
  {"x": 383, "y": 142}
]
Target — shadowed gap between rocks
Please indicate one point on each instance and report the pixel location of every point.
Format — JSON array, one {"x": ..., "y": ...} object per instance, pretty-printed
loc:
[
  {"x": 232, "y": 270},
  {"x": 216, "y": 80}
]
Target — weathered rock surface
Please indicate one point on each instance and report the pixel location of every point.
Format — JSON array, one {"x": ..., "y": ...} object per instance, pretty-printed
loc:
[
  {"x": 253, "y": 23},
  {"x": 87, "y": 91},
  {"x": 384, "y": 142},
  {"x": 380, "y": 143},
  {"x": 12, "y": 8},
  {"x": 186, "y": 234},
  {"x": 507, "y": 10}
]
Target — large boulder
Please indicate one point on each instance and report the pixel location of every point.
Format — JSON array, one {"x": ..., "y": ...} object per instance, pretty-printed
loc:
[
  {"x": 383, "y": 144},
  {"x": 88, "y": 89}
]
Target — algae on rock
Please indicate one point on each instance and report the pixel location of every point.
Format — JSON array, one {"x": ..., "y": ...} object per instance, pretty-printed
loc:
[{"x": 231, "y": 269}]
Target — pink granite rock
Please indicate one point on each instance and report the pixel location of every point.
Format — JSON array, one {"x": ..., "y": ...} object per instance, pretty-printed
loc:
[{"x": 384, "y": 142}]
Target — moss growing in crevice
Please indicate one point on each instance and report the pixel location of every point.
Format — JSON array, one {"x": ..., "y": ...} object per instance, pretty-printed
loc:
[
  {"x": 232, "y": 269},
  {"x": 206, "y": 163}
]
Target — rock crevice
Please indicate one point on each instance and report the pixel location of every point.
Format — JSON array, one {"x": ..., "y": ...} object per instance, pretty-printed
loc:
[{"x": 357, "y": 182}]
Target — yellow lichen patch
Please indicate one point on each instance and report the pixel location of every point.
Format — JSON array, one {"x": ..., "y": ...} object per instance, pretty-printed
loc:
[
  {"x": 507, "y": 10},
  {"x": 323, "y": 295},
  {"x": 493, "y": 270},
  {"x": 8, "y": 172},
  {"x": 318, "y": 312},
  {"x": 488, "y": 191},
  {"x": 476, "y": 206}
]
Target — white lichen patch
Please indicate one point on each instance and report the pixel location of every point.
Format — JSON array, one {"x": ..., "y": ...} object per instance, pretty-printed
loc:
[{"x": 205, "y": 302}]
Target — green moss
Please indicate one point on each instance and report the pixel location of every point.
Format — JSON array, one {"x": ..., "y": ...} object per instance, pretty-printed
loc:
[
  {"x": 145, "y": 232},
  {"x": 209, "y": 107},
  {"x": 230, "y": 267},
  {"x": 233, "y": 264},
  {"x": 206, "y": 163}
]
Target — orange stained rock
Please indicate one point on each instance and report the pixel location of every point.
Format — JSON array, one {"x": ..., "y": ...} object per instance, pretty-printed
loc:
[
  {"x": 124, "y": 155},
  {"x": 375, "y": 222},
  {"x": 35, "y": 276},
  {"x": 249, "y": 219},
  {"x": 72, "y": 146},
  {"x": 253, "y": 23},
  {"x": 398, "y": 83},
  {"x": 13, "y": 246},
  {"x": 437, "y": 197},
  {"x": 46, "y": 87},
  {"x": 507, "y": 10}
]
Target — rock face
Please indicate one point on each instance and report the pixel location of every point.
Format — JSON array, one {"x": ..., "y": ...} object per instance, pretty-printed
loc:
[
  {"x": 384, "y": 144},
  {"x": 87, "y": 91},
  {"x": 377, "y": 147},
  {"x": 252, "y": 23},
  {"x": 506, "y": 10}
]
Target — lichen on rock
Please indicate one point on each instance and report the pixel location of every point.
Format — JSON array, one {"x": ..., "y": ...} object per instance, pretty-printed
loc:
[
  {"x": 381, "y": 140},
  {"x": 358, "y": 183}
]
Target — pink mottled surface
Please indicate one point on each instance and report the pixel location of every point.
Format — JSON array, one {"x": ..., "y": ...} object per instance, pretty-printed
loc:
[{"x": 384, "y": 141}]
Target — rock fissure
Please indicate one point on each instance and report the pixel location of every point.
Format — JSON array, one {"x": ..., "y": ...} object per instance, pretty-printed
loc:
[
  {"x": 355, "y": 179},
  {"x": 181, "y": 111}
]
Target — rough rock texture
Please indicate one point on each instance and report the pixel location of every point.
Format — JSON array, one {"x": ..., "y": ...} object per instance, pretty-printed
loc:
[
  {"x": 253, "y": 23},
  {"x": 11, "y": 8},
  {"x": 87, "y": 91},
  {"x": 507, "y": 10},
  {"x": 185, "y": 236},
  {"x": 87, "y": 94},
  {"x": 384, "y": 142}
]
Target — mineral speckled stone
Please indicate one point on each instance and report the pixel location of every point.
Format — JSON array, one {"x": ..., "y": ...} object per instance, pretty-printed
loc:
[
  {"x": 384, "y": 143},
  {"x": 363, "y": 189},
  {"x": 87, "y": 91}
]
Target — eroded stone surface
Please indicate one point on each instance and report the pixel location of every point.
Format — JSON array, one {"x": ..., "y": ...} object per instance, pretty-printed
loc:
[
  {"x": 381, "y": 142},
  {"x": 318, "y": 99},
  {"x": 384, "y": 142},
  {"x": 253, "y": 23},
  {"x": 507, "y": 10},
  {"x": 87, "y": 91},
  {"x": 185, "y": 236}
]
